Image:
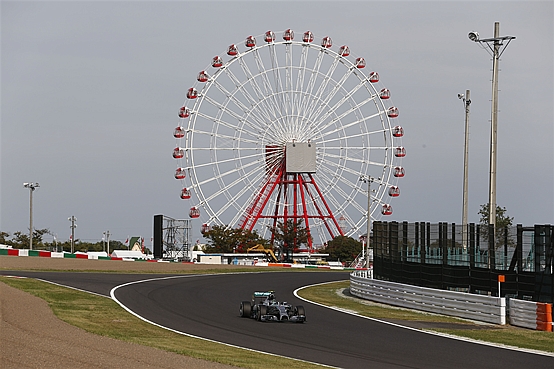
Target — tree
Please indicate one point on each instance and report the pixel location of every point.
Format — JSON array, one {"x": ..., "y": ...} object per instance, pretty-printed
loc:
[
  {"x": 343, "y": 248},
  {"x": 224, "y": 239},
  {"x": 503, "y": 223},
  {"x": 289, "y": 237}
]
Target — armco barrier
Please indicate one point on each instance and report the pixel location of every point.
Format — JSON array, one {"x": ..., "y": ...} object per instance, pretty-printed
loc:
[
  {"x": 530, "y": 314},
  {"x": 463, "y": 305}
]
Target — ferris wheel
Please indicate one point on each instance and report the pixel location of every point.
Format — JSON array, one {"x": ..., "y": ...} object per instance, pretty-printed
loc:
[{"x": 276, "y": 130}]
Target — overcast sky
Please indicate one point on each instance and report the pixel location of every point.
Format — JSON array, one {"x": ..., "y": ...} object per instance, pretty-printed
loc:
[{"x": 90, "y": 90}]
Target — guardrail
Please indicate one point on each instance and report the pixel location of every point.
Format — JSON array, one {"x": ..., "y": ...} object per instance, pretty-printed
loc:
[
  {"x": 530, "y": 314},
  {"x": 464, "y": 305}
]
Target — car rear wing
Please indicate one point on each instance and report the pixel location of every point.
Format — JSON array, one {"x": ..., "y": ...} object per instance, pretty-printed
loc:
[{"x": 262, "y": 293}]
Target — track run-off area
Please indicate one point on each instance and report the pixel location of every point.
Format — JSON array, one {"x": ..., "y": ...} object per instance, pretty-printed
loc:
[{"x": 207, "y": 306}]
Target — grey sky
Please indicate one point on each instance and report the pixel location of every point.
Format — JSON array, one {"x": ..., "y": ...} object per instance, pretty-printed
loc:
[{"x": 90, "y": 90}]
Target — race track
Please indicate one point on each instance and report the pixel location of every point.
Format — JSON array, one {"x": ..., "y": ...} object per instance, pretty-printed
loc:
[{"x": 207, "y": 306}]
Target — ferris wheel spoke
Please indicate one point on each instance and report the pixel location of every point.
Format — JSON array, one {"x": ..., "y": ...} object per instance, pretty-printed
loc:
[
  {"x": 289, "y": 95},
  {"x": 329, "y": 96},
  {"x": 322, "y": 130},
  {"x": 267, "y": 108},
  {"x": 340, "y": 203},
  {"x": 209, "y": 164},
  {"x": 296, "y": 111},
  {"x": 322, "y": 88},
  {"x": 231, "y": 202},
  {"x": 346, "y": 97},
  {"x": 224, "y": 110},
  {"x": 307, "y": 96},
  {"x": 240, "y": 104},
  {"x": 272, "y": 100},
  {"x": 352, "y": 160},
  {"x": 278, "y": 83},
  {"x": 243, "y": 108},
  {"x": 253, "y": 102}
]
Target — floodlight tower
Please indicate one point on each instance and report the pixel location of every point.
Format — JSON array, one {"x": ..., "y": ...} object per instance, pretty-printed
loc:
[
  {"x": 467, "y": 102},
  {"x": 496, "y": 46},
  {"x": 31, "y": 186}
]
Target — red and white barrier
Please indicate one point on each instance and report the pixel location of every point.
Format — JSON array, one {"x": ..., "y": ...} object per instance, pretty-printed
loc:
[{"x": 530, "y": 314}]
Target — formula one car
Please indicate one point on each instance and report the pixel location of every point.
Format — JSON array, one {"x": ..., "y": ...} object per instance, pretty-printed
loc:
[{"x": 263, "y": 307}]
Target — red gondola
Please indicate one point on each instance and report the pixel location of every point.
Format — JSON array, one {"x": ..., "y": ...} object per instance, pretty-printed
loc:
[
  {"x": 217, "y": 61},
  {"x": 184, "y": 112},
  {"x": 202, "y": 76},
  {"x": 386, "y": 209},
  {"x": 178, "y": 153},
  {"x": 205, "y": 228},
  {"x": 185, "y": 193},
  {"x": 250, "y": 41},
  {"x": 180, "y": 173},
  {"x": 394, "y": 191},
  {"x": 179, "y": 132},
  {"x": 399, "y": 172},
  {"x": 232, "y": 50},
  {"x": 360, "y": 63},
  {"x": 392, "y": 112},
  {"x": 400, "y": 152},
  {"x": 373, "y": 77},
  {"x": 308, "y": 37},
  {"x": 288, "y": 35},
  {"x": 398, "y": 131},
  {"x": 327, "y": 42},
  {"x": 194, "y": 212},
  {"x": 384, "y": 94},
  {"x": 269, "y": 36},
  {"x": 192, "y": 93},
  {"x": 344, "y": 50}
]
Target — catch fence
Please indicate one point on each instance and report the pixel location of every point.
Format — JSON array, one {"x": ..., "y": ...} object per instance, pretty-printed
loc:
[{"x": 447, "y": 256}]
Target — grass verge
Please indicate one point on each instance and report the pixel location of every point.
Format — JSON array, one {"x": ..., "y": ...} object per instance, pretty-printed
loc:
[
  {"x": 507, "y": 335},
  {"x": 89, "y": 312}
]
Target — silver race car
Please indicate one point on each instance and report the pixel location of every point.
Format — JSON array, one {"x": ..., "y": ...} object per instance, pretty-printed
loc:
[{"x": 264, "y": 307}]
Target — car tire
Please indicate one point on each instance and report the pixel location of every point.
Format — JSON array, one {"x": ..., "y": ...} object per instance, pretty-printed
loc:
[
  {"x": 300, "y": 311},
  {"x": 262, "y": 310},
  {"x": 245, "y": 309}
]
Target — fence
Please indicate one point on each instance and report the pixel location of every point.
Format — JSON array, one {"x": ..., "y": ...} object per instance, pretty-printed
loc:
[{"x": 447, "y": 256}]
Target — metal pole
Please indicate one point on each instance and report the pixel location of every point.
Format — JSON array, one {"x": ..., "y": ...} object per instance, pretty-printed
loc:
[
  {"x": 368, "y": 239},
  {"x": 368, "y": 180},
  {"x": 108, "y": 246},
  {"x": 467, "y": 102},
  {"x": 31, "y": 189},
  {"x": 31, "y": 186},
  {"x": 72, "y": 219},
  {"x": 494, "y": 123}
]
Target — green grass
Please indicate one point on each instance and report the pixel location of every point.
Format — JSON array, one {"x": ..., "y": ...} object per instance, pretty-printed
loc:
[
  {"x": 89, "y": 312},
  {"x": 102, "y": 316}
]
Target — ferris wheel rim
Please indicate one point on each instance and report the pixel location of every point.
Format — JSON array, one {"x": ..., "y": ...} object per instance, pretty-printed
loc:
[{"x": 247, "y": 168}]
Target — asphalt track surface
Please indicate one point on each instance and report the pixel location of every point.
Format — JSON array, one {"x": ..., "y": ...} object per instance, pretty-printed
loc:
[{"x": 207, "y": 306}]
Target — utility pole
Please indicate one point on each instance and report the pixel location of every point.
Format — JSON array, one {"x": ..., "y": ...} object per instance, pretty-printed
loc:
[
  {"x": 108, "y": 243},
  {"x": 31, "y": 186},
  {"x": 72, "y": 219},
  {"x": 467, "y": 103},
  {"x": 497, "y": 47},
  {"x": 368, "y": 180}
]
